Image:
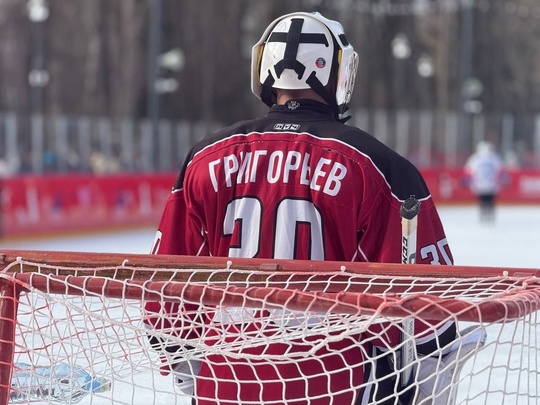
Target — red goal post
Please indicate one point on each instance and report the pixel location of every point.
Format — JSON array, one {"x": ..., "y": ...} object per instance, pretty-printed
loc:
[{"x": 85, "y": 308}]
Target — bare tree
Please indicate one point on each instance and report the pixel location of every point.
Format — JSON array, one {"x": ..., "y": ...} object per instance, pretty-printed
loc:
[
  {"x": 14, "y": 56},
  {"x": 97, "y": 55}
]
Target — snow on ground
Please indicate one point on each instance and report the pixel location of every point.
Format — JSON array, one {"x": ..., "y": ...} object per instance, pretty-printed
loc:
[{"x": 511, "y": 241}]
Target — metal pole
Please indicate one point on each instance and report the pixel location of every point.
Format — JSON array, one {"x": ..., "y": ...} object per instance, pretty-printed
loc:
[
  {"x": 9, "y": 298},
  {"x": 154, "y": 50},
  {"x": 38, "y": 77},
  {"x": 466, "y": 52}
]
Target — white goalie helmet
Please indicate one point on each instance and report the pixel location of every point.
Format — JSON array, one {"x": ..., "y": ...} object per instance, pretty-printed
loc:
[{"x": 302, "y": 51}]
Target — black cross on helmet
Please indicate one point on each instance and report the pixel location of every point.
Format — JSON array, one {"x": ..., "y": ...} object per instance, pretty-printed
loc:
[{"x": 304, "y": 51}]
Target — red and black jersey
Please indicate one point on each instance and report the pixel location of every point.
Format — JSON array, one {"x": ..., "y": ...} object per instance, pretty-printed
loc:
[{"x": 295, "y": 184}]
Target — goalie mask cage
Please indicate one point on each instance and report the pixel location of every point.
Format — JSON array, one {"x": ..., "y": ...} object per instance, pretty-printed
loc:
[{"x": 88, "y": 309}]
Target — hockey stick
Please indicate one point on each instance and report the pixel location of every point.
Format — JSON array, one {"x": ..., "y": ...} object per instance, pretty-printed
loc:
[{"x": 409, "y": 224}]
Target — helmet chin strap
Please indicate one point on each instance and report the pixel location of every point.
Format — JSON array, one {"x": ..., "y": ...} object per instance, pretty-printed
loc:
[
  {"x": 330, "y": 99},
  {"x": 267, "y": 96},
  {"x": 317, "y": 86}
]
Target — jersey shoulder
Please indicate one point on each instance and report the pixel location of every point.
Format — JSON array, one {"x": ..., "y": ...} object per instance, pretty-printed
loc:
[{"x": 403, "y": 178}]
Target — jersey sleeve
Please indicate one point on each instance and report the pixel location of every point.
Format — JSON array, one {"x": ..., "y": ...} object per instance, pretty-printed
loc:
[
  {"x": 179, "y": 233},
  {"x": 381, "y": 232},
  {"x": 381, "y": 243}
]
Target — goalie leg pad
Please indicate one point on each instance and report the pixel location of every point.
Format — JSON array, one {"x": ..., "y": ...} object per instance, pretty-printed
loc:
[
  {"x": 438, "y": 376},
  {"x": 185, "y": 373}
]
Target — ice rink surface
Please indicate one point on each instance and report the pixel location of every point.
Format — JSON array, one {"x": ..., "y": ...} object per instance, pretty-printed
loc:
[{"x": 510, "y": 241}]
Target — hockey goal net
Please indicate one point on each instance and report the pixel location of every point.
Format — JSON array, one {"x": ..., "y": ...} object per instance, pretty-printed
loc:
[{"x": 87, "y": 309}]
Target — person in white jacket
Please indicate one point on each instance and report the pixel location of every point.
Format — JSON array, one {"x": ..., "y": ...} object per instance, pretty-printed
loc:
[{"x": 485, "y": 174}]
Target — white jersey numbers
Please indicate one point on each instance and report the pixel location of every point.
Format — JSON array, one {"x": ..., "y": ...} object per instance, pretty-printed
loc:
[
  {"x": 289, "y": 216},
  {"x": 435, "y": 252},
  {"x": 298, "y": 227},
  {"x": 247, "y": 213}
]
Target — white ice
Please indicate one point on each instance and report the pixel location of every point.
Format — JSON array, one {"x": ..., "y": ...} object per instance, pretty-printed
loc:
[
  {"x": 508, "y": 242},
  {"x": 511, "y": 241}
]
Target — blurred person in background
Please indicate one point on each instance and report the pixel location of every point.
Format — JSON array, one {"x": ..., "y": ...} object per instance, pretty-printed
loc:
[{"x": 485, "y": 174}]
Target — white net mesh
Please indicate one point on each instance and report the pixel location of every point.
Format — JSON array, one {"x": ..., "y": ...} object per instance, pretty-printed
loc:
[{"x": 271, "y": 336}]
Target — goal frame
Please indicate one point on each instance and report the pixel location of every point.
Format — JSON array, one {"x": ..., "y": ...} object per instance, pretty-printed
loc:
[{"x": 112, "y": 284}]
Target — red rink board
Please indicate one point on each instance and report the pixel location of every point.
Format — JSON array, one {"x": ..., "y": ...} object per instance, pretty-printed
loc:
[
  {"x": 62, "y": 203},
  {"x": 447, "y": 186},
  {"x": 50, "y": 204}
]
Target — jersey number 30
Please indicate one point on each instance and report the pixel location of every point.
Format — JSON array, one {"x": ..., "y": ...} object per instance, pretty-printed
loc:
[{"x": 246, "y": 212}]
